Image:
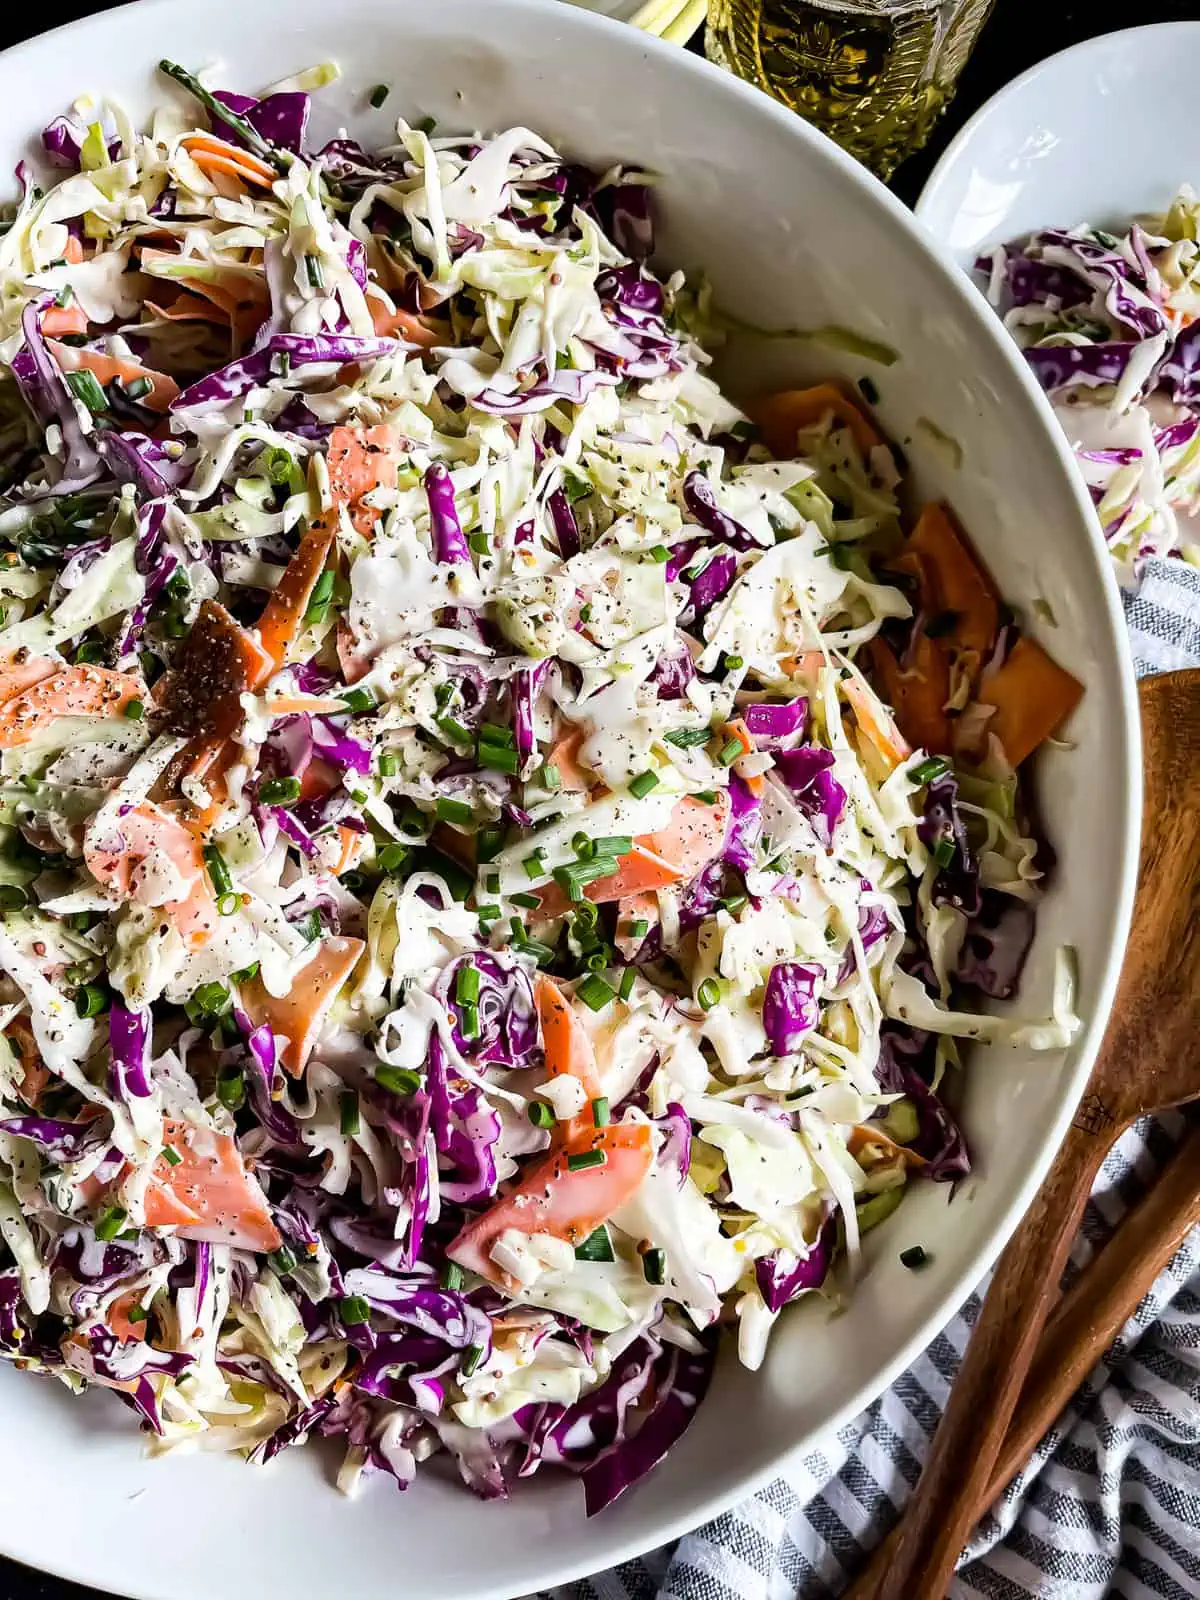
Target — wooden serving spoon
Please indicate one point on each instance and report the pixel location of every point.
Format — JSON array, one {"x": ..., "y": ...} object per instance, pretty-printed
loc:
[{"x": 1149, "y": 1060}]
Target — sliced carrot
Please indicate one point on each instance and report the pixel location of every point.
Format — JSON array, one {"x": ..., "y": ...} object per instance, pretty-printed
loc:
[
  {"x": 552, "y": 1198},
  {"x": 218, "y": 663},
  {"x": 300, "y": 1015},
  {"x": 351, "y": 845},
  {"x": 20, "y": 671},
  {"x": 876, "y": 727},
  {"x": 360, "y": 460},
  {"x": 34, "y": 1075},
  {"x": 568, "y": 1052},
  {"x": 355, "y": 663},
  {"x": 313, "y": 705},
  {"x": 403, "y": 325},
  {"x": 105, "y": 368},
  {"x": 73, "y": 250},
  {"x": 283, "y": 615},
  {"x": 1032, "y": 694},
  {"x": 961, "y": 587},
  {"x": 213, "y": 155},
  {"x": 738, "y": 730},
  {"x": 781, "y": 416},
  {"x": 675, "y": 854},
  {"x": 918, "y": 693},
  {"x": 118, "y": 1320},
  {"x": 57, "y": 320},
  {"x": 207, "y": 1194},
  {"x": 565, "y": 757},
  {"x": 128, "y": 857},
  {"x": 83, "y": 691}
]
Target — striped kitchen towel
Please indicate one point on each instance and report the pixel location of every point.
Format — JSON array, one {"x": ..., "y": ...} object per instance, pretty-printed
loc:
[{"x": 1110, "y": 1503}]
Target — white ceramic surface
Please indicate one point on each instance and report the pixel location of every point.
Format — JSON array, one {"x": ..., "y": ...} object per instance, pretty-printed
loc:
[
  {"x": 791, "y": 231},
  {"x": 1095, "y": 134}
]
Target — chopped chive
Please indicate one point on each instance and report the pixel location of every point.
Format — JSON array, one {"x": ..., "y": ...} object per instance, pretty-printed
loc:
[
  {"x": 615, "y": 844},
  {"x": 314, "y": 271},
  {"x": 453, "y": 810},
  {"x": 490, "y": 881},
  {"x": 534, "y": 865},
  {"x": 601, "y": 1111},
  {"x": 733, "y": 903},
  {"x": 279, "y": 791},
  {"x": 654, "y": 1265},
  {"x": 392, "y": 856},
  {"x": 706, "y": 797},
  {"x": 353, "y": 1310},
  {"x": 110, "y": 1223},
  {"x": 137, "y": 388},
  {"x": 540, "y": 1114},
  {"x": 227, "y": 904},
  {"x": 516, "y": 927},
  {"x": 497, "y": 759},
  {"x": 85, "y": 386},
  {"x": 926, "y": 771},
  {"x": 389, "y": 764},
  {"x": 466, "y": 985},
  {"x": 625, "y": 987},
  {"x": 90, "y": 1000},
  {"x": 551, "y": 777},
  {"x": 378, "y": 95},
  {"x": 249, "y": 133},
  {"x": 493, "y": 733},
  {"x": 456, "y": 730},
  {"x": 135, "y": 710},
  {"x": 527, "y": 902},
  {"x": 283, "y": 1260},
  {"x": 539, "y": 952},
  {"x": 472, "y": 1356},
  {"x": 599, "y": 960},
  {"x": 582, "y": 846},
  {"x": 398, "y": 1080},
  {"x": 643, "y": 783},
  {"x": 231, "y": 1088},
  {"x": 595, "y": 993},
  {"x": 639, "y": 928},
  {"x": 356, "y": 700},
  {"x": 688, "y": 738},
  {"x": 659, "y": 553},
  {"x": 915, "y": 1257},
  {"x": 583, "y": 1159},
  {"x": 709, "y": 993},
  {"x": 212, "y": 999},
  {"x": 596, "y": 1247},
  {"x": 217, "y": 870},
  {"x": 943, "y": 852},
  {"x": 348, "y": 1117},
  {"x": 573, "y": 878},
  {"x": 586, "y": 916},
  {"x": 170, "y": 1155},
  {"x": 487, "y": 913},
  {"x": 452, "y": 1276},
  {"x": 728, "y": 753},
  {"x": 245, "y": 974}
]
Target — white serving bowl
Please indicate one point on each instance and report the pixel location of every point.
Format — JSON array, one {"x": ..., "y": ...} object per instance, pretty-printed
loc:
[
  {"x": 1094, "y": 134},
  {"x": 790, "y": 231}
]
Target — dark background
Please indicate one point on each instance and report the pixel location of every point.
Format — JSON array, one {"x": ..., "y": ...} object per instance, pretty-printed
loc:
[{"x": 1018, "y": 34}]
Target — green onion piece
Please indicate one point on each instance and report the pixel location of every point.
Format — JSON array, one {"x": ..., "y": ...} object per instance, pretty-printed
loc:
[
  {"x": 915, "y": 1258},
  {"x": 389, "y": 764},
  {"x": 218, "y": 872},
  {"x": 625, "y": 987},
  {"x": 734, "y": 663},
  {"x": 110, "y": 1223},
  {"x": 314, "y": 271},
  {"x": 456, "y": 730},
  {"x": 281, "y": 364},
  {"x": 943, "y": 852},
  {"x": 639, "y": 928},
  {"x": 453, "y": 811},
  {"x": 615, "y": 844},
  {"x": 596, "y": 1247},
  {"x": 493, "y": 733},
  {"x": 643, "y": 783},
  {"x": 354, "y": 1310},
  {"x": 728, "y": 753},
  {"x": 571, "y": 880},
  {"x": 356, "y": 700},
  {"x": 497, "y": 759},
  {"x": 283, "y": 1260},
  {"x": 279, "y": 791},
  {"x": 926, "y": 771},
  {"x": 659, "y": 553},
  {"x": 733, "y": 903},
  {"x": 398, "y": 1080},
  {"x": 472, "y": 1356},
  {"x": 378, "y": 95},
  {"x": 709, "y": 994},
  {"x": 479, "y": 543},
  {"x": 249, "y": 133},
  {"x": 86, "y": 387},
  {"x": 348, "y": 1115},
  {"x": 654, "y": 1265},
  {"x": 469, "y": 1021},
  {"x": 137, "y": 1314},
  {"x": 488, "y": 844},
  {"x": 466, "y": 985},
  {"x": 527, "y": 902},
  {"x": 582, "y": 846},
  {"x": 583, "y": 1159},
  {"x": 688, "y": 738},
  {"x": 595, "y": 993},
  {"x": 231, "y": 1088},
  {"x": 90, "y": 1000},
  {"x": 534, "y": 865},
  {"x": 170, "y": 1155},
  {"x": 551, "y": 777},
  {"x": 91, "y": 653},
  {"x": 135, "y": 710},
  {"x": 543, "y": 954},
  {"x": 601, "y": 1111},
  {"x": 599, "y": 961},
  {"x": 488, "y": 913},
  {"x": 227, "y": 904},
  {"x": 319, "y": 600},
  {"x": 391, "y": 857},
  {"x": 452, "y": 1276},
  {"x": 585, "y": 613},
  {"x": 586, "y": 916},
  {"x": 137, "y": 388},
  {"x": 706, "y": 797},
  {"x": 540, "y": 1114},
  {"x": 245, "y": 974},
  {"x": 212, "y": 999}
]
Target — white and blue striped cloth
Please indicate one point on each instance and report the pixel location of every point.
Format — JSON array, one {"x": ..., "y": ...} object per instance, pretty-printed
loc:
[{"x": 1110, "y": 1503}]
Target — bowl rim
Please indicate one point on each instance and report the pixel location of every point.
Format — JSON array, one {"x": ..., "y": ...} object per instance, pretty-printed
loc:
[
  {"x": 1073, "y": 57},
  {"x": 699, "y": 1507}
]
